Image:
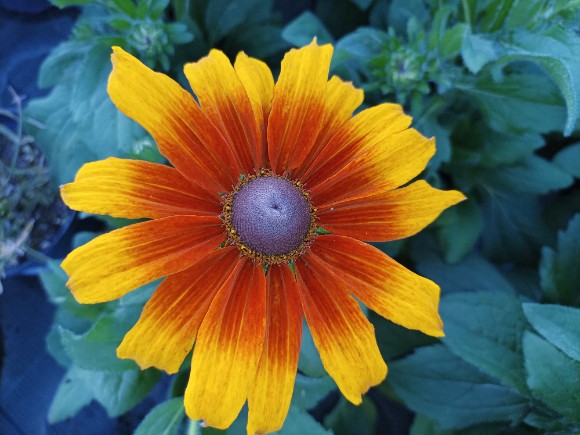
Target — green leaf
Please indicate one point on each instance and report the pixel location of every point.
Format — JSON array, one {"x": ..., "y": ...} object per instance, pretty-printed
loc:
[
  {"x": 165, "y": 419},
  {"x": 487, "y": 148},
  {"x": 308, "y": 391},
  {"x": 472, "y": 273},
  {"x": 362, "y": 4},
  {"x": 557, "y": 324},
  {"x": 514, "y": 229},
  {"x": 119, "y": 392},
  {"x": 498, "y": 11},
  {"x": 425, "y": 426},
  {"x": 97, "y": 348},
  {"x": 568, "y": 160},
  {"x": 70, "y": 397},
  {"x": 349, "y": 419},
  {"x": 65, "y": 3},
  {"x": 435, "y": 382},
  {"x": 58, "y": 62},
  {"x": 486, "y": 329},
  {"x": 556, "y": 52},
  {"x": 458, "y": 230},
  {"x": 559, "y": 271},
  {"x": 519, "y": 103},
  {"x": 533, "y": 174},
  {"x": 477, "y": 52},
  {"x": 309, "y": 363},
  {"x": 452, "y": 40},
  {"x": 305, "y": 27},
  {"x": 553, "y": 377},
  {"x": 394, "y": 340},
  {"x": 53, "y": 279},
  {"x": 298, "y": 421}
]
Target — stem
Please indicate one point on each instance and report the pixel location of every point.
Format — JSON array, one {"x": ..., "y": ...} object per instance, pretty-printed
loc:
[{"x": 466, "y": 11}]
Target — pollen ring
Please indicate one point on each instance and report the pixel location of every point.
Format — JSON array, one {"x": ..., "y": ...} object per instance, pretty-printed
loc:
[{"x": 270, "y": 218}]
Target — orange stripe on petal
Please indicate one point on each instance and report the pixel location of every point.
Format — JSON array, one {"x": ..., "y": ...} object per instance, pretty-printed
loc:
[
  {"x": 342, "y": 334},
  {"x": 184, "y": 134},
  {"x": 136, "y": 189},
  {"x": 391, "y": 215},
  {"x": 342, "y": 99},
  {"x": 224, "y": 100},
  {"x": 228, "y": 349},
  {"x": 382, "y": 284},
  {"x": 271, "y": 393},
  {"x": 258, "y": 81},
  {"x": 168, "y": 325},
  {"x": 384, "y": 167},
  {"x": 366, "y": 130},
  {"x": 115, "y": 263},
  {"x": 296, "y": 116}
]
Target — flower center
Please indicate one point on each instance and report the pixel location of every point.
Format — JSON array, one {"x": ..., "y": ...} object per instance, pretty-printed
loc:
[{"x": 270, "y": 218}]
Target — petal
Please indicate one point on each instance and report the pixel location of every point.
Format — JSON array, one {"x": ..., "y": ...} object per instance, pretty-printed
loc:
[
  {"x": 228, "y": 349},
  {"x": 271, "y": 392},
  {"x": 382, "y": 284},
  {"x": 224, "y": 100},
  {"x": 258, "y": 81},
  {"x": 166, "y": 330},
  {"x": 342, "y": 99},
  {"x": 342, "y": 334},
  {"x": 384, "y": 167},
  {"x": 115, "y": 263},
  {"x": 295, "y": 119},
  {"x": 391, "y": 215},
  {"x": 184, "y": 134},
  {"x": 136, "y": 189},
  {"x": 368, "y": 129}
]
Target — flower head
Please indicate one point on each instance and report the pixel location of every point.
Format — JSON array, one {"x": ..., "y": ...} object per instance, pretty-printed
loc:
[{"x": 261, "y": 221}]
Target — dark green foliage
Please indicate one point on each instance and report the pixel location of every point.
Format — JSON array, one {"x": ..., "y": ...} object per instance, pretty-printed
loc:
[{"x": 496, "y": 81}]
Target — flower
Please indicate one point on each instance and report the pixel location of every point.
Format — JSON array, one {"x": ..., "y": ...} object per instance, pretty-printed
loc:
[{"x": 261, "y": 221}]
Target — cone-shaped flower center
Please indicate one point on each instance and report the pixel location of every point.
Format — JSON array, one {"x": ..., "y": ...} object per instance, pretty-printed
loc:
[{"x": 271, "y": 215}]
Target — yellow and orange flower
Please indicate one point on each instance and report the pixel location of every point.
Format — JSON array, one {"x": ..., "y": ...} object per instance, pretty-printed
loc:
[{"x": 261, "y": 221}]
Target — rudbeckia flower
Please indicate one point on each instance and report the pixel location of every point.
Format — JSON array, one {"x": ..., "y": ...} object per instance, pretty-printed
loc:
[{"x": 262, "y": 220}]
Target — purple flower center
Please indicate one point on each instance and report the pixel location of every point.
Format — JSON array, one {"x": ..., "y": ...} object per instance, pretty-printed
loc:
[{"x": 271, "y": 215}]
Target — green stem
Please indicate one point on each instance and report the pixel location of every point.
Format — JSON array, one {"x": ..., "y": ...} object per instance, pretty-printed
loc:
[{"x": 466, "y": 12}]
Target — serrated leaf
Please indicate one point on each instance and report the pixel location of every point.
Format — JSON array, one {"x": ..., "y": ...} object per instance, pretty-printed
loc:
[
  {"x": 559, "y": 269},
  {"x": 165, "y": 419},
  {"x": 119, "y": 392},
  {"x": 477, "y": 52},
  {"x": 70, "y": 397},
  {"x": 568, "y": 160},
  {"x": 305, "y": 27},
  {"x": 558, "y": 324},
  {"x": 486, "y": 329},
  {"x": 435, "y": 382},
  {"x": 553, "y": 377}
]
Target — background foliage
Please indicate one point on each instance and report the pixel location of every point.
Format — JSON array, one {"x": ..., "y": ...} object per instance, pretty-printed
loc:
[{"x": 496, "y": 81}]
